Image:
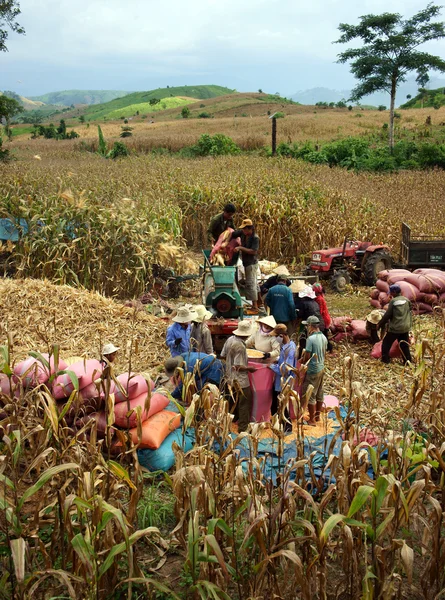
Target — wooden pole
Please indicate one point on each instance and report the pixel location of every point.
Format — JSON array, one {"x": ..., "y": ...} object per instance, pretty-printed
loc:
[{"x": 274, "y": 136}]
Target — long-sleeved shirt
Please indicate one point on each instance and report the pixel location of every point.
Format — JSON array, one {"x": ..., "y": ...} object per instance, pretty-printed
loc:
[
  {"x": 217, "y": 225},
  {"x": 176, "y": 332},
  {"x": 206, "y": 368},
  {"x": 308, "y": 307},
  {"x": 281, "y": 368},
  {"x": 270, "y": 282},
  {"x": 264, "y": 343},
  {"x": 201, "y": 338},
  {"x": 281, "y": 303},
  {"x": 399, "y": 315}
]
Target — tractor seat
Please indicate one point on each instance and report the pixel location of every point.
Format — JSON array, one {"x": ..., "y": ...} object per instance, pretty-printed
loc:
[{"x": 363, "y": 246}]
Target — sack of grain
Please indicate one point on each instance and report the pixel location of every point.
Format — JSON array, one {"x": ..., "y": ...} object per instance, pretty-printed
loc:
[
  {"x": 125, "y": 412},
  {"x": 156, "y": 429}
]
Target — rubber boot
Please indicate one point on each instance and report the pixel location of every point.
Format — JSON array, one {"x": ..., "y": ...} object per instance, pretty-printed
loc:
[
  {"x": 311, "y": 409},
  {"x": 318, "y": 409}
]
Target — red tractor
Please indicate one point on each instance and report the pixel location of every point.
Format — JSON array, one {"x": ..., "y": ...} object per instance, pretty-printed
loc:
[{"x": 355, "y": 260}]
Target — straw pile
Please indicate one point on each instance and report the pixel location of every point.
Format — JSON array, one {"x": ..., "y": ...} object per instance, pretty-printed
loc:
[{"x": 39, "y": 314}]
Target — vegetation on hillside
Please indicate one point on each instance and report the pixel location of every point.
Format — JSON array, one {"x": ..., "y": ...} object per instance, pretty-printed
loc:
[
  {"x": 147, "y": 108},
  {"x": 68, "y": 97},
  {"x": 193, "y": 91},
  {"x": 427, "y": 99}
]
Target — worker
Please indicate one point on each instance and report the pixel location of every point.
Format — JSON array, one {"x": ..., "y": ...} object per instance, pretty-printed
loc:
[
  {"x": 109, "y": 352},
  {"x": 372, "y": 323},
  {"x": 305, "y": 307},
  {"x": 263, "y": 340},
  {"x": 280, "y": 301},
  {"x": 200, "y": 336},
  {"x": 273, "y": 280},
  {"x": 248, "y": 250},
  {"x": 324, "y": 311},
  {"x": 178, "y": 334},
  {"x": 313, "y": 356},
  {"x": 399, "y": 317},
  {"x": 207, "y": 369},
  {"x": 284, "y": 375},
  {"x": 221, "y": 222},
  {"x": 237, "y": 371}
]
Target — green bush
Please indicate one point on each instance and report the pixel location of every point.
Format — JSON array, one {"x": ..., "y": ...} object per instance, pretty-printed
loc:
[
  {"x": 216, "y": 145},
  {"x": 204, "y": 115},
  {"x": 119, "y": 149}
]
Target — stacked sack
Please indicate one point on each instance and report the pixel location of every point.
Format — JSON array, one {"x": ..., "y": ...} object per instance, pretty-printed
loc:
[
  {"x": 130, "y": 391},
  {"x": 348, "y": 329},
  {"x": 424, "y": 287}
]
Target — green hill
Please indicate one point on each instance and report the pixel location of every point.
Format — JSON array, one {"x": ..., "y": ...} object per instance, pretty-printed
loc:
[
  {"x": 68, "y": 97},
  {"x": 427, "y": 99},
  {"x": 199, "y": 92}
]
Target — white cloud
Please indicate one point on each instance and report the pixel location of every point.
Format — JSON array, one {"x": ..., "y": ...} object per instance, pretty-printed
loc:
[{"x": 191, "y": 36}]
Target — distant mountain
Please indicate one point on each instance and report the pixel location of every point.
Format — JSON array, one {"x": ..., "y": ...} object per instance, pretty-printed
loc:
[
  {"x": 27, "y": 103},
  {"x": 322, "y": 94},
  {"x": 68, "y": 97},
  {"x": 137, "y": 101}
]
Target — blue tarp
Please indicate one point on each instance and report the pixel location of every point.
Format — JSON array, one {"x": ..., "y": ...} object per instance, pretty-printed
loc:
[
  {"x": 163, "y": 458},
  {"x": 12, "y": 230}
]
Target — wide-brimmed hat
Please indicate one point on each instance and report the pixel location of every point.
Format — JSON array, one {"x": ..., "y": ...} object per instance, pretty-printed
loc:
[
  {"x": 246, "y": 223},
  {"x": 270, "y": 321},
  {"x": 109, "y": 349},
  {"x": 281, "y": 270},
  {"x": 297, "y": 285},
  {"x": 375, "y": 316},
  {"x": 202, "y": 314},
  {"x": 245, "y": 329},
  {"x": 171, "y": 364},
  {"x": 184, "y": 315},
  {"x": 312, "y": 320},
  {"x": 307, "y": 292}
]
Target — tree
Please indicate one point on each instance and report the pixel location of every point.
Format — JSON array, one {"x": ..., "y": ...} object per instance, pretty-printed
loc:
[
  {"x": 9, "y": 10},
  {"x": 9, "y": 108},
  {"x": 260, "y": 91},
  {"x": 390, "y": 51},
  {"x": 185, "y": 112}
]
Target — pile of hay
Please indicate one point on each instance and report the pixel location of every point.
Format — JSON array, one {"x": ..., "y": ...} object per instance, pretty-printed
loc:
[{"x": 38, "y": 314}]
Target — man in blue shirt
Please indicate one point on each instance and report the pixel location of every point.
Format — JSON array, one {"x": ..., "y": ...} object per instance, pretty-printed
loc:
[
  {"x": 313, "y": 356},
  {"x": 178, "y": 334},
  {"x": 281, "y": 303},
  {"x": 206, "y": 367}
]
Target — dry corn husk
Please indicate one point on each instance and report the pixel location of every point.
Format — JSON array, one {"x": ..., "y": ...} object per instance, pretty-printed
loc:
[{"x": 39, "y": 314}]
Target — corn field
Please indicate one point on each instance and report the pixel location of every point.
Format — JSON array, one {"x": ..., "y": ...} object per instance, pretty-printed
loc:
[
  {"x": 101, "y": 224},
  {"x": 366, "y": 522}
]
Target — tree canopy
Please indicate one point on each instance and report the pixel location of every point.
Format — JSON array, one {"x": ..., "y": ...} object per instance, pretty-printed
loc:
[
  {"x": 9, "y": 11},
  {"x": 391, "y": 50}
]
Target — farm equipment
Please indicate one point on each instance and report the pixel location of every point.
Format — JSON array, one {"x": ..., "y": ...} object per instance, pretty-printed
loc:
[
  {"x": 354, "y": 260},
  {"x": 422, "y": 251},
  {"x": 222, "y": 298}
]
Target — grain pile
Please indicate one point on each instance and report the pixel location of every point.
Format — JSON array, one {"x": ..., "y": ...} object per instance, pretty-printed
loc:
[{"x": 39, "y": 314}]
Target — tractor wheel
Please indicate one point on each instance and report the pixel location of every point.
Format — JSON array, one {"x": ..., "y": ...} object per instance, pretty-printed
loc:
[
  {"x": 379, "y": 261},
  {"x": 339, "y": 281}
]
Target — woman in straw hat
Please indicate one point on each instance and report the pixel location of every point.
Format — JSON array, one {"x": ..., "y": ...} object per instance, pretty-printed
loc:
[
  {"x": 200, "y": 336},
  {"x": 263, "y": 340},
  {"x": 237, "y": 371},
  {"x": 178, "y": 334}
]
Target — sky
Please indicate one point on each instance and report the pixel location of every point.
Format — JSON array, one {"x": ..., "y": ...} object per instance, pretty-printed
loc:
[{"x": 276, "y": 45}]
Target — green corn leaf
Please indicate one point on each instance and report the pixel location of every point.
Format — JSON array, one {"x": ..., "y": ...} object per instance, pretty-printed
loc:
[
  {"x": 84, "y": 551},
  {"x": 361, "y": 496},
  {"x": 329, "y": 526},
  {"x": 119, "y": 548}
]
